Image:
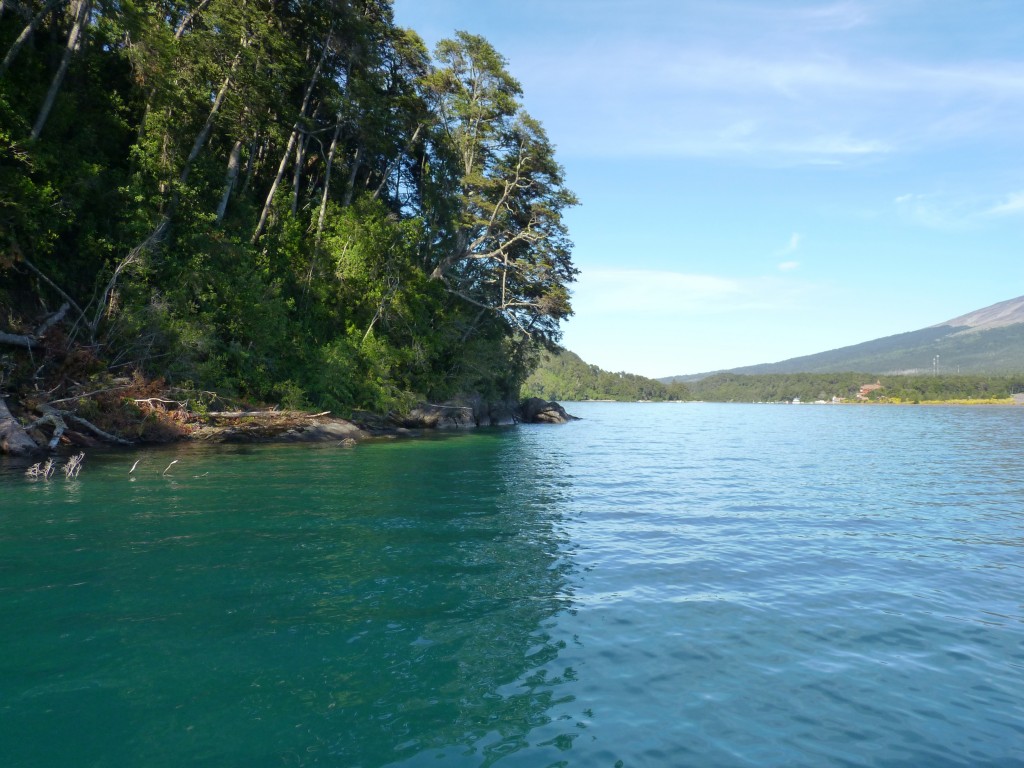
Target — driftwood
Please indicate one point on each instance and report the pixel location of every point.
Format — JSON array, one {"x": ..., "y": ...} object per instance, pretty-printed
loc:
[
  {"x": 55, "y": 418},
  {"x": 260, "y": 414},
  {"x": 16, "y": 340},
  {"x": 13, "y": 439},
  {"x": 52, "y": 320},
  {"x": 52, "y": 417}
]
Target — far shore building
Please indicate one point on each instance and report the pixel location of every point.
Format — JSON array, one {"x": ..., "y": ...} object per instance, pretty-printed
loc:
[{"x": 867, "y": 389}]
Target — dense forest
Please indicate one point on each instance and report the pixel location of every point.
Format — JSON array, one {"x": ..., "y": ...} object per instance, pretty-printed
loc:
[
  {"x": 562, "y": 375},
  {"x": 284, "y": 200},
  {"x": 809, "y": 387}
]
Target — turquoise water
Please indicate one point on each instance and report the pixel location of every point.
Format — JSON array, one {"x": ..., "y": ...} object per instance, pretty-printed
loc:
[{"x": 656, "y": 585}]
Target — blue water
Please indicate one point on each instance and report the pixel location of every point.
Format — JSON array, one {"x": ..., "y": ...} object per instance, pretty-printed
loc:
[{"x": 655, "y": 585}]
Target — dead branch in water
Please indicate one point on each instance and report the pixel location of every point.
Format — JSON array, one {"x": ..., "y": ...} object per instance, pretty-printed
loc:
[
  {"x": 74, "y": 466},
  {"x": 41, "y": 470}
]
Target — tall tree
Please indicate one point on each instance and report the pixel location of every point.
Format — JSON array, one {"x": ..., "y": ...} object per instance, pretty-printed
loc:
[{"x": 505, "y": 247}]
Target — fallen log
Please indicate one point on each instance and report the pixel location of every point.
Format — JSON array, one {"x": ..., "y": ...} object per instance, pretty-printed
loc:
[
  {"x": 34, "y": 341},
  {"x": 52, "y": 417},
  {"x": 96, "y": 430},
  {"x": 17, "y": 340},
  {"x": 56, "y": 418},
  {"x": 264, "y": 414}
]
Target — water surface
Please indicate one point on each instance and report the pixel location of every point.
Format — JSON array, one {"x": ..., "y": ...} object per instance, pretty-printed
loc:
[{"x": 656, "y": 585}]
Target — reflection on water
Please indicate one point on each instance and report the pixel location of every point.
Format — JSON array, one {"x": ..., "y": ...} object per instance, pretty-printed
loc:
[
  {"x": 295, "y": 606},
  {"x": 655, "y": 585}
]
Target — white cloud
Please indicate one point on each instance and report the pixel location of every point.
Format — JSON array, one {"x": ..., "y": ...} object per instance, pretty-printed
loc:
[
  {"x": 792, "y": 245},
  {"x": 838, "y": 16},
  {"x": 789, "y": 266},
  {"x": 946, "y": 212},
  {"x": 1013, "y": 205},
  {"x": 631, "y": 292}
]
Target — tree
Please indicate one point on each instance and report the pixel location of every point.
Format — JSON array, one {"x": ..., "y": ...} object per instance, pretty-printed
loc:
[{"x": 502, "y": 244}]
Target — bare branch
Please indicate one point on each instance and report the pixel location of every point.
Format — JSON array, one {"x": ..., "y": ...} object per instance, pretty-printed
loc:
[
  {"x": 186, "y": 20},
  {"x": 133, "y": 256},
  {"x": 52, "y": 320},
  {"x": 35, "y": 270},
  {"x": 89, "y": 394}
]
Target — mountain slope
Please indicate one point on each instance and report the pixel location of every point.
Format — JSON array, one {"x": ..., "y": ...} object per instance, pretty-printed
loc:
[{"x": 986, "y": 341}]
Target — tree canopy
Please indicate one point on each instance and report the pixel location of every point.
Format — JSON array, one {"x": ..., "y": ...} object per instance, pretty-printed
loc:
[{"x": 290, "y": 201}]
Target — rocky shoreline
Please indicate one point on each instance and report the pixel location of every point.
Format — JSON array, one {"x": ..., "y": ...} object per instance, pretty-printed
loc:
[{"x": 57, "y": 429}]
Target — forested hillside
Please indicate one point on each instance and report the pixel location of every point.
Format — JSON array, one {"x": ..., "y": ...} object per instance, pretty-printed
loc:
[
  {"x": 563, "y": 375},
  {"x": 292, "y": 201},
  {"x": 809, "y": 387}
]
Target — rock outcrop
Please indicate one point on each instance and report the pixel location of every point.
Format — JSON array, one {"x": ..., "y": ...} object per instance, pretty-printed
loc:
[
  {"x": 537, "y": 411},
  {"x": 13, "y": 440},
  {"x": 467, "y": 413}
]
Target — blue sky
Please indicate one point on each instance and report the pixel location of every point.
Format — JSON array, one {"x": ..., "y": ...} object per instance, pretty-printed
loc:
[{"x": 763, "y": 179}]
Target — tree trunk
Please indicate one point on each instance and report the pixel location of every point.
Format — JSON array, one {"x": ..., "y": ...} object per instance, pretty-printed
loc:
[
  {"x": 265, "y": 213},
  {"x": 350, "y": 188},
  {"x": 391, "y": 166},
  {"x": 256, "y": 152},
  {"x": 204, "y": 134},
  {"x": 321, "y": 217},
  {"x": 234, "y": 162},
  {"x": 327, "y": 182},
  {"x": 186, "y": 20},
  {"x": 300, "y": 157},
  {"x": 27, "y": 32},
  {"x": 73, "y": 45}
]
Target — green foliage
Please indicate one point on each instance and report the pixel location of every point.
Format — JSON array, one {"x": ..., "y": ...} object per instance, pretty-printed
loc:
[
  {"x": 562, "y": 375},
  {"x": 810, "y": 387},
  {"x": 280, "y": 201}
]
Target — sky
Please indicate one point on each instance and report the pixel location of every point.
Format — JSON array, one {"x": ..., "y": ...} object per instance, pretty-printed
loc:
[{"x": 764, "y": 179}]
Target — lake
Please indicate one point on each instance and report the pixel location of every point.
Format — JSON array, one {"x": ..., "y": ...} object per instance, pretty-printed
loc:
[{"x": 654, "y": 585}]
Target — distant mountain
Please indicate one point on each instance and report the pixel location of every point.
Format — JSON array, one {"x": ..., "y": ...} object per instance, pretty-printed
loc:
[{"x": 987, "y": 341}]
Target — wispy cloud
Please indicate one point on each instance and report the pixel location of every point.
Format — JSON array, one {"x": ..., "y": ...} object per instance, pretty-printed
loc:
[
  {"x": 1013, "y": 205},
  {"x": 807, "y": 92},
  {"x": 790, "y": 248},
  {"x": 793, "y": 245},
  {"x": 661, "y": 292},
  {"x": 947, "y": 212},
  {"x": 837, "y": 16}
]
